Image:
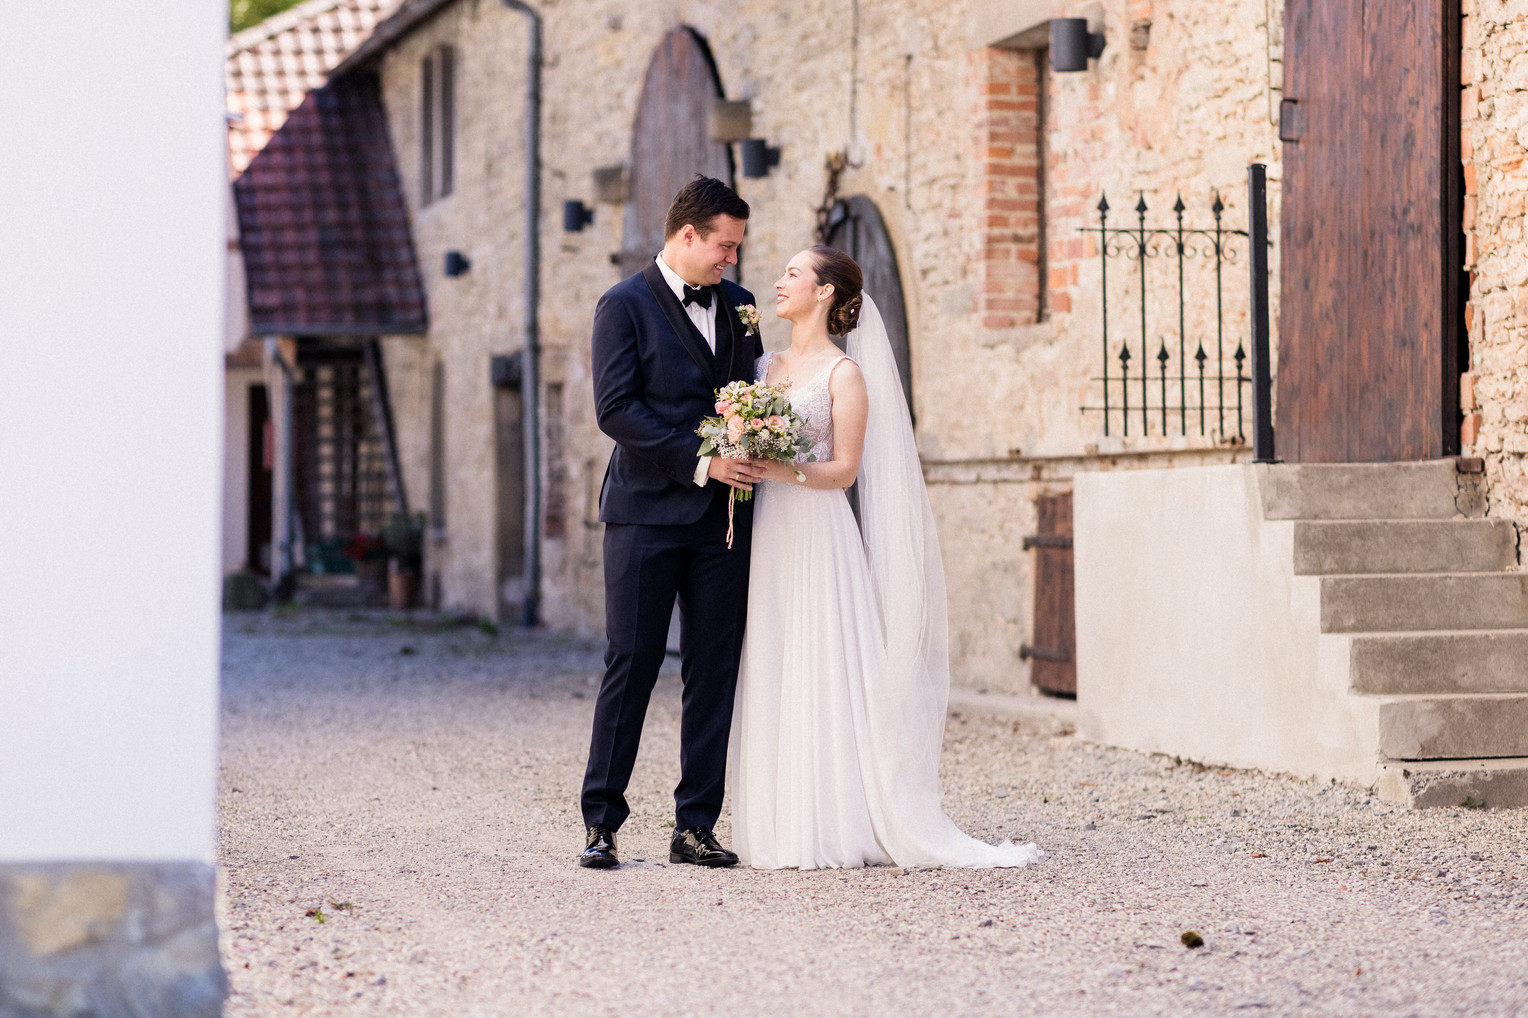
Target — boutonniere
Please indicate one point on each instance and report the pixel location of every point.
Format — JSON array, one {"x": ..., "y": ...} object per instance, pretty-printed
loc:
[{"x": 749, "y": 316}]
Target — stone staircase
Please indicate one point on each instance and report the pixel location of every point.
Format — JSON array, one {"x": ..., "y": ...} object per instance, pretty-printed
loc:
[{"x": 1431, "y": 602}]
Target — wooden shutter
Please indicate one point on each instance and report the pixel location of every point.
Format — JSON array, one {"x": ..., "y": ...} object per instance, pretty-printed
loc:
[{"x": 1052, "y": 652}]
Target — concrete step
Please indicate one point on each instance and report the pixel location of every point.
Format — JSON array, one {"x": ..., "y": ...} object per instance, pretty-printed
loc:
[
  {"x": 1495, "y": 784},
  {"x": 1425, "y": 490},
  {"x": 1458, "y": 726},
  {"x": 1404, "y": 546},
  {"x": 1461, "y": 661},
  {"x": 1389, "y": 602}
]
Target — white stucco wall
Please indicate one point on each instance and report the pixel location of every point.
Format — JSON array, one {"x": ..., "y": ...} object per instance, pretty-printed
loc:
[
  {"x": 112, "y": 260},
  {"x": 1194, "y": 636}
]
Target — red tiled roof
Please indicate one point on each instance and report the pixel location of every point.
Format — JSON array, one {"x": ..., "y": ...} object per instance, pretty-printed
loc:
[
  {"x": 323, "y": 224},
  {"x": 271, "y": 67}
]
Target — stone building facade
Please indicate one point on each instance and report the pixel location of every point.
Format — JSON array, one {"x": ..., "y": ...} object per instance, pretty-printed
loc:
[
  {"x": 1494, "y": 137},
  {"x": 987, "y": 169}
]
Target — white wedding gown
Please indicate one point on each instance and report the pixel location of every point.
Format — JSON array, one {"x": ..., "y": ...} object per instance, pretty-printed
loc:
[{"x": 837, "y": 729}]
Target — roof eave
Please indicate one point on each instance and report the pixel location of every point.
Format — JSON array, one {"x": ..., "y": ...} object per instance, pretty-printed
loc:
[{"x": 409, "y": 16}]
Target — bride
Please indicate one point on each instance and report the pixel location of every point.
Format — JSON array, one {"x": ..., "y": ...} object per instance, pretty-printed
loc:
[{"x": 845, "y": 672}]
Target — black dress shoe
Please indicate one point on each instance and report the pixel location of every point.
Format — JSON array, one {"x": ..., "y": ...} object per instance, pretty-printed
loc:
[
  {"x": 698, "y": 845},
  {"x": 599, "y": 853}
]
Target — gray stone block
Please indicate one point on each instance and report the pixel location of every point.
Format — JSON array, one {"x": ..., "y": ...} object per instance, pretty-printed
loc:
[
  {"x": 1484, "y": 661},
  {"x": 1492, "y": 784},
  {"x": 1360, "y": 491},
  {"x": 1323, "y": 547},
  {"x": 109, "y": 940},
  {"x": 1453, "y": 727},
  {"x": 1389, "y": 603}
]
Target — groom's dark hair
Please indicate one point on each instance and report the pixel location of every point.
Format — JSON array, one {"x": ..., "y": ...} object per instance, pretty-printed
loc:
[{"x": 698, "y": 204}]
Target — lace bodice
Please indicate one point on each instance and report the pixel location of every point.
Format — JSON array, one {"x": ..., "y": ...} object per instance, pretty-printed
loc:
[{"x": 812, "y": 400}]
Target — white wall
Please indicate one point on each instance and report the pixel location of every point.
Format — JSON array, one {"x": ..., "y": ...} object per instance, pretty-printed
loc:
[
  {"x": 112, "y": 267},
  {"x": 1196, "y": 639}
]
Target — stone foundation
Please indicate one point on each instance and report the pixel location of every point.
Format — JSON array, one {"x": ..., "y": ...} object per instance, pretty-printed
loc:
[{"x": 102, "y": 940}]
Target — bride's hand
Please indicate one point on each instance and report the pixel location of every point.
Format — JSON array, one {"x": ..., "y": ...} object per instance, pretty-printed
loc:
[{"x": 778, "y": 470}]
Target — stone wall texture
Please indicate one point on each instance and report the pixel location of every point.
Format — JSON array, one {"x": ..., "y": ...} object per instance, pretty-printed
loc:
[
  {"x": 109, "y": 940},
  {"x": 941, "y": 131},
  {"x": 941, "y": 126},
  {"x": 473, "y": 316},
  {"x": 1493, "y": 143}
]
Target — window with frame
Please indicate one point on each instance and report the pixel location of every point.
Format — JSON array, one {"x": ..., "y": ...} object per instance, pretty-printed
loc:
[{"x": 437, "y": 124}]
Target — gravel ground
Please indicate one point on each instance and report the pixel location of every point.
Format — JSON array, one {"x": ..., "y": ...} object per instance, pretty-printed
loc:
[{"x": 399, "y": 821}]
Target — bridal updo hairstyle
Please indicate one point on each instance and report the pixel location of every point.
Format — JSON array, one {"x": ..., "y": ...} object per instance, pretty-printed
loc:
[
  {"x": 843, "y": 272},
  {"x": 698, "y": 204}
]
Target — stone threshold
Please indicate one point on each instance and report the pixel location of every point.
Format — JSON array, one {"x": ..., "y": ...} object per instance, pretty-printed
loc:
[{"x": 1036, "y": 710}]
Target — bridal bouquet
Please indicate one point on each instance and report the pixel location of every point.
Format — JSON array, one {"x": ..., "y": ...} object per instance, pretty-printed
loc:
[{"x": 754, "y": 421}]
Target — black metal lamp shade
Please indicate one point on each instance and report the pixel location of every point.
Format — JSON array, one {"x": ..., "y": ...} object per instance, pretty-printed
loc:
[
  {"x": 758, "y": 157},
  {"x": 1071, "y": 44},
  {"x": 457, "y": 263},
  {"x": 575, "y": 216}
]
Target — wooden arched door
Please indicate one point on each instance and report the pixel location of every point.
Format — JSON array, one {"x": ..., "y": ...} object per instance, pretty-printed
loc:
[
  {"x": 856, "y": 228},
  {"x": 670, "y": 142}
]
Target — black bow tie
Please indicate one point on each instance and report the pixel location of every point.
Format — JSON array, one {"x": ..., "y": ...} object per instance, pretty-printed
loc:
[{"x": 701, "y": 296}]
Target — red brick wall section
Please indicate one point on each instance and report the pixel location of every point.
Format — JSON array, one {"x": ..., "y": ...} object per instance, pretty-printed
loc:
[{"x": 1006, "y": 261}]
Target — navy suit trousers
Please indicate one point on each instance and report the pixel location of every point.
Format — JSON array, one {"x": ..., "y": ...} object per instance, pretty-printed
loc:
[{"x": 646, "y": 568}]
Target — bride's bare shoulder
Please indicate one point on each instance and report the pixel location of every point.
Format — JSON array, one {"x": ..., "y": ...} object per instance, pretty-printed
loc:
[{"x": 845, "y": 376}]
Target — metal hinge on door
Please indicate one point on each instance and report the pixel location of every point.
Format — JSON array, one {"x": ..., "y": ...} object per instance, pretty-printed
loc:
[
  {"x": 1043, "y": 654},
  {"x": 1291, "y": 123}
]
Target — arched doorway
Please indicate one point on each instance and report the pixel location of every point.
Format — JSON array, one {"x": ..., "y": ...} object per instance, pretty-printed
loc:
[
  {"x": 670, "y": 142},
  {"x": 856, "y": 228}
]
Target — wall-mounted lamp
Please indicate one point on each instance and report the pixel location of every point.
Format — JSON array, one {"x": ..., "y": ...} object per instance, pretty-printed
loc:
[
  {"x": 575, "y": 216},
  {"x": 457, "y": 263},
  {"x": 506, "y": 371},
  {"x": 758, "y": 157},
  {"x": 1071, "y": 44}
]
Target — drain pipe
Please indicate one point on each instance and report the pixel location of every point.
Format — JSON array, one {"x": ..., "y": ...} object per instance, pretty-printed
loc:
[{"x": 531, "y": 358}]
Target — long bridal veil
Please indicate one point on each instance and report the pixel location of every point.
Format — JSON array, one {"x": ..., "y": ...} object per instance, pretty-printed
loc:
[{"x": 907, "y": 712}]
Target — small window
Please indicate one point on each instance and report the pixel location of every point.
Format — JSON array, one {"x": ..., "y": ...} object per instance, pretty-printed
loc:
[
  {"x": 446, "y": 59},
  {"x": 426, "y": 130},
  {"x": 437, "y": 124}
]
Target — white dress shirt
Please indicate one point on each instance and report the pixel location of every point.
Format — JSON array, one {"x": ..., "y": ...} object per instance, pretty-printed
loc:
[{"x": 705, "y": 321}]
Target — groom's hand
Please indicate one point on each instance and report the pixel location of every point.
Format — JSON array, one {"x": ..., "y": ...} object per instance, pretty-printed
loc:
[{"x": 740, "y": 474}]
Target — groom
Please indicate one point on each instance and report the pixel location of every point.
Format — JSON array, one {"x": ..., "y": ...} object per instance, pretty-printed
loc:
[{"x": 664, "y": 340}]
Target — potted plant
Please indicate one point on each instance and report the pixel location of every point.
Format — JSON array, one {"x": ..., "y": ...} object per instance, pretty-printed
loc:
[
  {"x": 404, "y": 540},
  {"x": 369, "y": 553}
]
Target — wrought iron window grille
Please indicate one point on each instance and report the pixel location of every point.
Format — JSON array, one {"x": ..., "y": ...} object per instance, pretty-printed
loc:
[{"x": 1204, "y": 373}]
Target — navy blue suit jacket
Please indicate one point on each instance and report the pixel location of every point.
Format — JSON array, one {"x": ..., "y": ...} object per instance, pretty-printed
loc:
[{"x": 654, "y": 379}]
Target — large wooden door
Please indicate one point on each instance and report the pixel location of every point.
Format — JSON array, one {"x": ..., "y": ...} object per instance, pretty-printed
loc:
[
  {"x": 670, "y": 142},
  {"x": 1370, "y": 308},
  {"x": 856, "y": 228}
]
